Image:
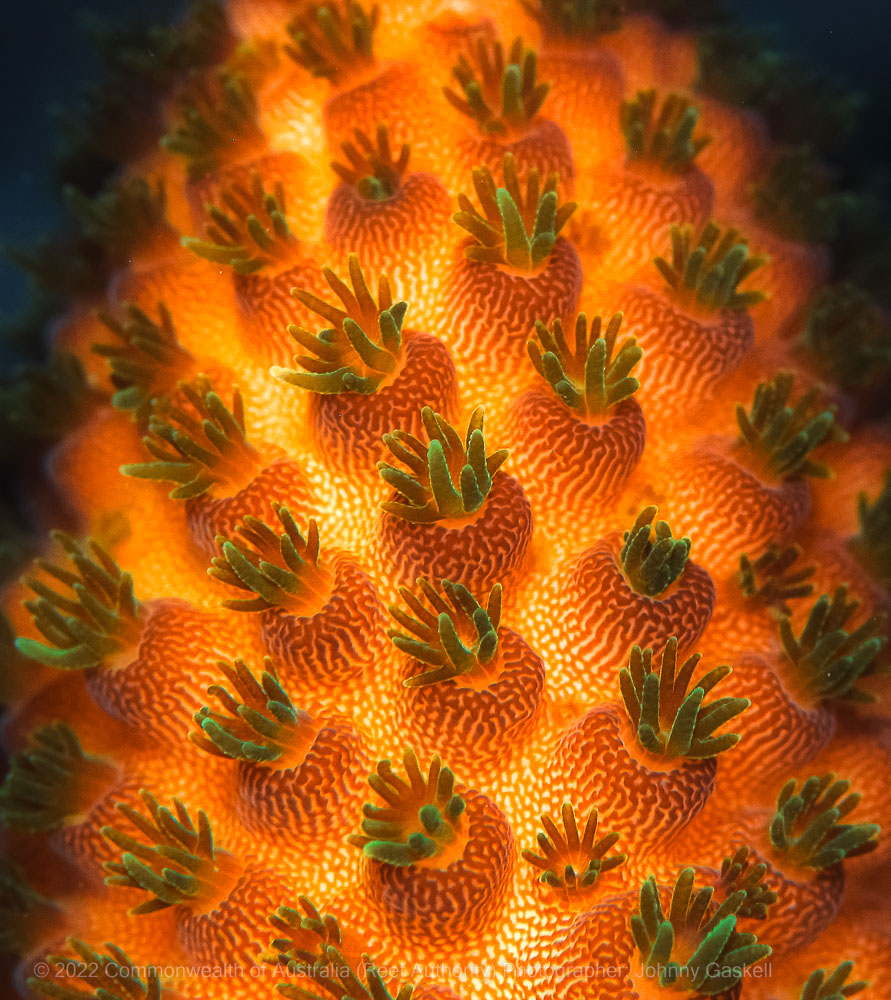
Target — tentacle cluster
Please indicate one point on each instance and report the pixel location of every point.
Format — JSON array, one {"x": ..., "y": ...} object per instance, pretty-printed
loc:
[
  {"x": 351, "y": 355},
  {"x": 219, "y": 118},
  {"x": 670, "y": 720},
  {"x": 710, "y": 954},
  {"x": 781, "y": 437},
  {"x": 249, "y": 232},
  {"x": 176, "y": 863},
  {"x": 428, "y": 490},
  {"x": 706, "y": 270},
  {"x": 258, "y": 724},
  {"x": 739, "y": 874},
  {"x": 651, "y": 558},
  {"x": 52, "y": 780},
  {"x": 594, "y": 376},
  {"x": 572, "y": 861},
  {"x": 516, "y": 228},
  {"x": 333, "y": 40},
  {"x": 203, "y": 448},
  {"x": 370, "y": 166},
  {"x": 771, "y": 581},
  {"x": 454, "y": 637},
  {"x": 501, "y": 93},
  {"x": 422, "y": 814},
  {"x": 148, "y": 362},
  {"x": 665, "y": 139},
  {"x": 827, "y": 658},
  {"x": 92, "y": 616},
  {"x": 278, "y": 570},
  {"x": 806, "y": 827}
]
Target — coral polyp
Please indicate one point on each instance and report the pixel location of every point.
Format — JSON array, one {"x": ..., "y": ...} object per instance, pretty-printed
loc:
[{"x": 460, "y": 567}]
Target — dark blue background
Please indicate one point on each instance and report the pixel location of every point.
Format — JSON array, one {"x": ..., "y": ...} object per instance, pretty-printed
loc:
[{"x": 44, "y": 59}]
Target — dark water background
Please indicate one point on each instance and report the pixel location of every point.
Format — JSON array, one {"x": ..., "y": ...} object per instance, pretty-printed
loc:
[{"x": 45, "y": 59}]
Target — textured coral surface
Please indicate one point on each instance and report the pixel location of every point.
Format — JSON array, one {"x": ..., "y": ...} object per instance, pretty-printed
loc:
[{"x": 365, "y": 495}]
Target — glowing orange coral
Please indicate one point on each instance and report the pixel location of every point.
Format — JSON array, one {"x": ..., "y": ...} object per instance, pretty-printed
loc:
[{"x": 200, "y": 693}]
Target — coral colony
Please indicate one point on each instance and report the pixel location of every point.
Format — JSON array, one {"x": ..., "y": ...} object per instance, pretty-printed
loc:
[{"x": 468, "y": 575}]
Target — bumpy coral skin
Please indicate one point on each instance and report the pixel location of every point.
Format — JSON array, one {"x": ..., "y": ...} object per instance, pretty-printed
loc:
[
  {"x": 439, "y": 896},
  {"x": 484, "y": 722},
  {"x": 760, "y": 513},
  {"x": 284, "y": 480},
  {"x": 650, "y": 801},
  {"x": 686, "y": 357},
  {"x": 780, "y": 734},
  {"x": 348, "y": 427},
  {"x": 437, "y": 904},
  {"x": 563, "y": 456},
  {"x": 486, "y": 310},
  {"x": 608, "y": 616},
  {"x": 479, "y": 552},
  {"x": 334, "y": 645}
]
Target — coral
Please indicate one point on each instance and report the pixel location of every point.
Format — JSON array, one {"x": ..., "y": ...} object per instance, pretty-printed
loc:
[
  {"x": 711, "y": 954},
  {"x": 501, "y": 318},
  {"x": 468, "y": 682},
  {"x": 438, "y": 857},
  {"x": 203, "y": 447},
  {"x": 696, "y": 329},
  {"x": 454, "y": 505},
  {"x": 365, "y": 380},
  {"x": 318, "y": 612},
  {"x": 636, "y": 588},
  {"x": 573, "y": 863}
]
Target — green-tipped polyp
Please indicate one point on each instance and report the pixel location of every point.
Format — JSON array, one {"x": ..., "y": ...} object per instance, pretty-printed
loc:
[
  {"x": 847, "y": 338},
  {"x": 515, "y": 228},
  {"x": 331, "y": 41},
  {"x": 25, "y": 915},
  {"x": 52, "y": 780},
  {"x": 872, "y": 543},
  {"x": 780, "y": 437},
  {"x": 501, "y": 92},
  {"x": 249, "y": 231},
  {"x": 771, "y": 581},
  {"x": 593, "y": 375},
  {"x": 650, "y": 557},
  {"x": 663, "y": 138},
  {"x": 218, "y": 120},
  {"x": 446, "y": 478},
  {"x": 201, "y": 450},
  {"x": 90, "y": 617},
  {"x": 111, "y": 976},
  {"x": 276, "y": 569},
  {"x": 45, "y": 402},
  {"x": 370, "y": 166},
  {"x": 149, "y": 360},
  {"x": 738, "y": 873},
  {"x": 807, "y": 828},
  {"x": 452, "y": 637},
  {"x": 795, "y": 197},
  {"x": 310, "y": 945},
  {"x": 361, "y": 348},
  {"x": 576, "y": 18},
  {"x": 573, "y": 861},
  {"x": 695, "y": 947},
  {"x": 125, "y": 218},
  {"x": 827, "y": 659},
  {"x": 257, "y": 724},
  {"x": 705, "y": 271},
  {"x": 176, "y": 863},
  {"x": 294, "y": 927},
  {"x": 670, "y": 720},
  {"x": 421, "y": 818},
  {"x": 820, "y": 986}
]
